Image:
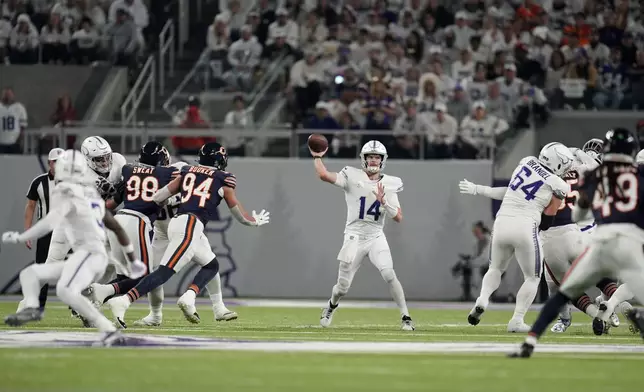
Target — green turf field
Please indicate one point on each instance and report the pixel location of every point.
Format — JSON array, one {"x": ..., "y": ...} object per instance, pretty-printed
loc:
[{"x": 136, "y": 369}]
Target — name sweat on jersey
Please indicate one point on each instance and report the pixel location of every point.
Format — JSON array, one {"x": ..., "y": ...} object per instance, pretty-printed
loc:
[
  {"x": 531, "y": 189},
  {"x": 202, "y": 191},
  {"x": 365, "y": 215}
]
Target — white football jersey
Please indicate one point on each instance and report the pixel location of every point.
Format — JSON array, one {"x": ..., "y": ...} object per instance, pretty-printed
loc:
[
  {"x": 530, "y": 190},
  {"x": 582, "y": 164},
  {"x": 365, "y": 217},
  {"x": 169, "y": 210},
  {"x": 13, "y": 118},
  {"x": 83, "y": 225}
]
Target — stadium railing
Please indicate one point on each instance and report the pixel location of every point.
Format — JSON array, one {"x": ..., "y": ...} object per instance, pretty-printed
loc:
[
  {"x": 130, "y": 139},
  {"x": 167, "y": 44}
]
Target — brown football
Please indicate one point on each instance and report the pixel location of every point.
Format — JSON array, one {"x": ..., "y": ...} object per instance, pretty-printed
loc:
[{"x": 317, "y": 142}]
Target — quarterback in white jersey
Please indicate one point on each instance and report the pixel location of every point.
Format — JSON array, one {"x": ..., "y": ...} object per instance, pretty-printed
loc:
[
  {"x": 80, "y": 214},
  {"x": 371, "y": 197},
  {"x": 533, "y": 197},
  {"x": 13, "y": 119}
]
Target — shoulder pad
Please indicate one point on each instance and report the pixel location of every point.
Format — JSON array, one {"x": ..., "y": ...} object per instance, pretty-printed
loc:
[
  {"x": 118, "y": 160},
  {"x": 560, "y": 188},
  {"x": 394, "y": 183},
  {"x": 184, "y": 169},
  {"x": 229, "y": 179},
  {"x": 178, "y": 165}
]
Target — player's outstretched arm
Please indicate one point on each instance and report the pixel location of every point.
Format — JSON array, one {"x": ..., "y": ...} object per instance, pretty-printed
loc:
[
  {"x": 168, "y": 191},
  {"x": 43, "y": 227},
  {"x": 320, "y": 169},
  {"x": 238, "y": 211},
  {"x": 470, "y": 188}
]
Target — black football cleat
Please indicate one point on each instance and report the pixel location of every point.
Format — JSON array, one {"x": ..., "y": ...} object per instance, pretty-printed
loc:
[
  {"x": 474, "y": 318},
  {"x": 637, "y": 320},
  {"x": 525, "y": 351},
  {"x": 23, "y": 317}
]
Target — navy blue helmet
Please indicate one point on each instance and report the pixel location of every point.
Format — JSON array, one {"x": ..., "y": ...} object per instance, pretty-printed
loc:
[
  {"x": 154, "y": 154},
  {"x": 620, "y": 145},
  {"x": 214, "y": 155}
]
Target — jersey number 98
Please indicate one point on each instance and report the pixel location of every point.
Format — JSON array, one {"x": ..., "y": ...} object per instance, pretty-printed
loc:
[
  {"x": 530, "y": 190},
  {"x": 201, "y": 191},
  {"x": 142, "y": 188}
]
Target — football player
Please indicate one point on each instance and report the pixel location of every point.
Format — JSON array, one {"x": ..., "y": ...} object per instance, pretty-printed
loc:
[
  {"x": 80, "y": 213},
  {"x": 371, "y": 197},
  {"x": 202, "y": 188},
  {"x": 529, "y": 204},
  {"x": 613, "y": 192}
]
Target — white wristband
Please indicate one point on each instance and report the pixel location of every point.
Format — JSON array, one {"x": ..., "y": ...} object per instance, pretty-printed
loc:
[
  {"x": 393, "y": 211},
  {"x": 129, "y": 248}
]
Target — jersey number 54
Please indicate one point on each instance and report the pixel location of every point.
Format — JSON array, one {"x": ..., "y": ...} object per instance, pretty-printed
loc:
[{"x": 530, "y": 190}]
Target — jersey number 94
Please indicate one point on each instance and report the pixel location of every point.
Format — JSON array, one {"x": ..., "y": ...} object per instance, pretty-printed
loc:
[{"x": 190, "y": 189}]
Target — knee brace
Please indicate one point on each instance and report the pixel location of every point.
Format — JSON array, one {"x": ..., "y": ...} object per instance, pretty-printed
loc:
[
  {"x": 344, "y": 278},
  {"x": 388, "y": 274}
]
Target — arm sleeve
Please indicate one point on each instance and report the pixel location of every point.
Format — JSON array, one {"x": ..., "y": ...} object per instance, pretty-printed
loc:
[
  {"x": 342, "y": 179},
  {"x": 496, "y": 193},
  {"x": 48, "y": 223},
  {"x": 32, "y": 193}
]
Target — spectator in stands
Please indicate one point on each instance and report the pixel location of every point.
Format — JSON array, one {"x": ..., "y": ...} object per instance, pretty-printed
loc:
[
  {"x": 463, "y": 68},
  {"x": 64, "y": 114},
  {"x": 322, "y": 121},
  {"x": 23, "y": 42},
  {"x": 407, "y": 130},
  {"x": 441, "y": 133},
  {"x": 243, "y": 56},
  {"x": 428, "y": 94},
  {"x": 554, "y": 75},
  {"x": 598, "y": 52},
  {"x": 414, "y": 46},
  {"x": 345, "y": 145},
  {"x": 306, "y": 78},
  {"x": 496, "y": 104},
  {"x": 476, "y": 86},
  {"x": 265, "y": 15},
  {"x": 238, "y": 118},
  {"x": 629, "y": 50},
  {"x": 234, "y": 18},
  {"x": 581, "y": 69},
  {"x": 138, "y": 12},
  {"x": 87, "y": 9},
  {"x": 5, "y": 33},
  {"x": 13, "y": 120},
  {"x": 380, "y": 110},
  {"x": 284, "y": 27},
  {"x": 218, "y": 38},
  {"x": 461, "y": 30},
  {"x": 313, "y": 33},
  {"x": 612, "y": 83},
  {"x": 478, "y": 131},
  {"x": 610, "y": 35},
  {"x": 459, "y": 103},
  {"x": 55, "y": 38},
  {"x": 123, "y": 39},
  {"x": 440, "y": 13},
  {"x": 192, "y": 118},
  {"x": 85, "y": 42}
]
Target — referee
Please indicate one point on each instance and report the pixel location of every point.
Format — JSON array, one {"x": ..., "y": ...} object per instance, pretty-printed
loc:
[{"x": 38, "y": 196}]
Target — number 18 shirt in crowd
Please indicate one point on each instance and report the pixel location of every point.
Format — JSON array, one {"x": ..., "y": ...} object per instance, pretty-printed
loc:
[
  {"x": 365, "y": 216},
  {"x": 531, "y": 189},
  {"x": 202, "y": 191}
]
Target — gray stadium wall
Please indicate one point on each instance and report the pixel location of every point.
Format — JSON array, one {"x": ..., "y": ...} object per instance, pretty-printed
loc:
[{"x": 295, "y": 255}]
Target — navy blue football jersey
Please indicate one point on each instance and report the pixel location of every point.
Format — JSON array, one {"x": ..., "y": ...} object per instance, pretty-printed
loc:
[
  {"x": 564, "y": 215},
  {"x": 200, "y": 191},
  {"x": 615, "y": 192},
  {"x": 141, "y": 183}
]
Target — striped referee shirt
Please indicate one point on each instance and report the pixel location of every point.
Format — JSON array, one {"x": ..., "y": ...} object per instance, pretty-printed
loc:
[{"x": 40, "y": 191}]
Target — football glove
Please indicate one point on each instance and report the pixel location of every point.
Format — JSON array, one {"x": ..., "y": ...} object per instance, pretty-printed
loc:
[
  {"x": 137, "y": 269},
  {"x": 105, "y": 188},
  {"x": 10, "y": 237},
  {"x": 262, "y": 218},
  {"x": 467, "y": 187}
]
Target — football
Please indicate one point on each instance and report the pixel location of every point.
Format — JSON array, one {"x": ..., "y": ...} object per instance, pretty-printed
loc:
[{"x": 317, "y": 142}]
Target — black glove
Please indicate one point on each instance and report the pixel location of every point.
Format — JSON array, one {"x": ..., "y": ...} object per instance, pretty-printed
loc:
[{"x": 105, "y": 188}]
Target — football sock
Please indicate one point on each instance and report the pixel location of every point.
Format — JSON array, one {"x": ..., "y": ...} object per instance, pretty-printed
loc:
[
  {"x": 341, "y": 288},
  {"x": 489, "y": 285},
  {"x": 525, "y": 297},
  {"x": 623, "y": 293},
  {"x": 607, "y": 287},
  {"x": 156, "y": 300},
  {"x": 205, "y": 275},
  {"x": 548, "y": 314},
  {"x": 586, "y": 305},
  {"x": 214, "y": 291},
  {"x": 30, "y": 287},
  {"x": 396, "y": 289},
  {"x": 149, "y": 282},
  {"x": 122, "y": 286},
  {"x": 42, "y": 298}
]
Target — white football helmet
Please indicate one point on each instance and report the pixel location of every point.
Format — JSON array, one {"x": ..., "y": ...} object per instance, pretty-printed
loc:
[
  {"x": 556, "y": 157},
  {"x": 98, "y": 153},
  {"x": 594, "y": 148},
  {"x": 373, "y": 147},
  {"x": 72, "y": 167},
  {"x": 639, "y": 158}
]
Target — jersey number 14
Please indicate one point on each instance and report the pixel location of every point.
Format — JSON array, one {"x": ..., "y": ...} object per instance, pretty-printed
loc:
[
  {"x": 530, "y": 190},
  {"x": 373, "y": 210}
]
